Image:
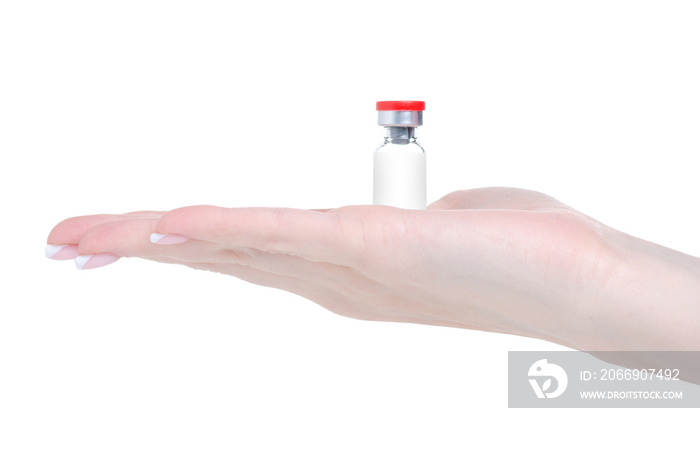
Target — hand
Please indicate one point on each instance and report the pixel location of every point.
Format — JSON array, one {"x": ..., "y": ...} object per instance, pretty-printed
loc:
[{"x": 495, "y": 259}]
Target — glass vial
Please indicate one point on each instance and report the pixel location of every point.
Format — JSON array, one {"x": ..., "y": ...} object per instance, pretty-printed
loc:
[{"x": 399, "y": 163}]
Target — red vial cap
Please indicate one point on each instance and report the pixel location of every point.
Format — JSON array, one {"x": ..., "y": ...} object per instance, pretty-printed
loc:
[{"x": 401, "y": 105}]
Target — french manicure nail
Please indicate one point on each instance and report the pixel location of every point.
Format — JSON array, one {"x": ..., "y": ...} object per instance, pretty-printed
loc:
[
  {"x": 92, "y": 261},
  {"x": 61, "y": 252},
  {"x": 162, "y": 238}
]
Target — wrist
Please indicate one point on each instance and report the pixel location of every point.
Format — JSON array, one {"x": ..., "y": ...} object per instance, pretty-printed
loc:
[{"x": 648, "y": 299}]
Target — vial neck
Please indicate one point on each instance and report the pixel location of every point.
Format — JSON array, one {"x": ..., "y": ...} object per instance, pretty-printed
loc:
[{"x": 400, "y": 134}]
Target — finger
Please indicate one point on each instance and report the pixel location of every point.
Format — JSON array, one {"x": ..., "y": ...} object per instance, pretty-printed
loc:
[
  {"x": 129, "y": 237},
  {"x": 126, "y": 236},
  {"x": 326, "y": 284},
  {"x": 194, "y": 251},
  {"x": 317, "y": 236},
  {"x": 496, "y": 198},
  {"x": 62, "y": 243},
  {"x": 70, "y": 230},
  {"x": 332, "y": 275}
]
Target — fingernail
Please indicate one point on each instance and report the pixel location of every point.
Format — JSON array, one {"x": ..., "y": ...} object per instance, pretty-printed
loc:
[
  {"x": 161, "y": 238},
  {"x": 92, "y": 261},
  {"x": 61, "y": 252}
]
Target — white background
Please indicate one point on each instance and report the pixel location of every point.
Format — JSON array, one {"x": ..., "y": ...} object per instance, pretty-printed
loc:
[{"x": 131, "y": 105}]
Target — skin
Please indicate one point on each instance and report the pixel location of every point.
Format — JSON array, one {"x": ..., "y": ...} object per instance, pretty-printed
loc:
[{"x": 494, "y": 259}]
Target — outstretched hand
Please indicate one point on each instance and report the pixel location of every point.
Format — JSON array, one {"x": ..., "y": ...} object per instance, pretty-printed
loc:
[{"x": 495, "y": 259}]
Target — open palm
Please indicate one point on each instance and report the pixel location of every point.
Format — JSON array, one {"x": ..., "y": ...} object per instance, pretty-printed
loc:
[{"x": 496, "y": 259}]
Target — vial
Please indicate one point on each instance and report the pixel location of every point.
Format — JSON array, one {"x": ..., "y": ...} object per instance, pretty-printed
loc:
[{"x": 399, "y": 163}]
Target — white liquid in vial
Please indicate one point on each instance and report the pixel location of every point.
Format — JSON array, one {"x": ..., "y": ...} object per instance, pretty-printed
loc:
[{"x": 399, "y": 179}]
